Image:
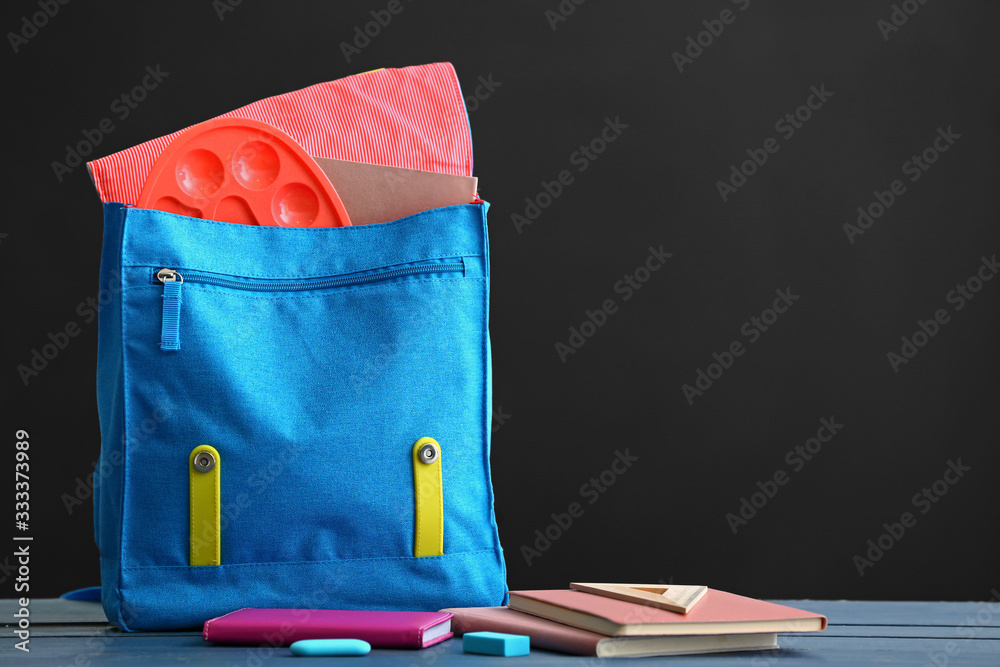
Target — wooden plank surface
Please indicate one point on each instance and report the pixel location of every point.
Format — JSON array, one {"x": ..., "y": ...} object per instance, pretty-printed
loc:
[
  {"x": 55, "y": 610},
  {"x": 66, "y": 632},
  {"x": 854, "y": 612},
  {"x": 163, "y": 650}
]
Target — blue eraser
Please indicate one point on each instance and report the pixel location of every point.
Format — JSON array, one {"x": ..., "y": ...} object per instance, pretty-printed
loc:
[
  {"x": 326, "y": 647},
  {"x": 496, "y": 643}
]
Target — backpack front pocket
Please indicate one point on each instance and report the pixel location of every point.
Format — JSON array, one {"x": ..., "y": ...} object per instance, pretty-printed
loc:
[
  {"x": 314, "y": 392},
  {"x": 173, "y": 281}
]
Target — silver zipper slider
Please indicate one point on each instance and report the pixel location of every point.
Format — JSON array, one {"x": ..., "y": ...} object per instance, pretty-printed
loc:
[
  {"x": 170, "y": 334},
  {"x": 168, "y": 275}
]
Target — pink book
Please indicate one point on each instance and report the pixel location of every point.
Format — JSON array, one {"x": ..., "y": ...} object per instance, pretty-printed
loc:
[
  {"x": 716, "y": 613},
  {"x": 281, "y": 627},
  {"x": 553, "y": 636}
]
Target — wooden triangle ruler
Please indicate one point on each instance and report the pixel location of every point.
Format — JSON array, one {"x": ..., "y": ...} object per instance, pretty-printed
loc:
[{"x": 681, "y": 599}]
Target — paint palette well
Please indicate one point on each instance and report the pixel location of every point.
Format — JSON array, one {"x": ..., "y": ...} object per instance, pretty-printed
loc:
[{"x": 242, "y": 171}]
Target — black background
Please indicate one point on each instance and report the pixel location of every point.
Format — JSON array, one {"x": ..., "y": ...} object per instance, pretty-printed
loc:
[{"x": 560, "y": 424}]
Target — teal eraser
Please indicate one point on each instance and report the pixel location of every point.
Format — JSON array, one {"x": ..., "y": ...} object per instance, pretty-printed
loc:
[
  {"x": 496, "y": 643},
  {"x": 326, "y": 647}
]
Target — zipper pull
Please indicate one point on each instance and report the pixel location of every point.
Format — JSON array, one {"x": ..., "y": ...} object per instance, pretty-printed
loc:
[{"x": 170, "y": 331}]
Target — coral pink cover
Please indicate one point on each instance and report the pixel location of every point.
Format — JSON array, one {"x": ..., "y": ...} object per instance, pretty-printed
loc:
[
  {"x": 281, "y": 627},
  {"x": 715, "y": 607}
]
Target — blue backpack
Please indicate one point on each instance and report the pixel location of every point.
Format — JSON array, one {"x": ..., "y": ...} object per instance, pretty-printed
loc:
[{"x": 294, "y": 418}]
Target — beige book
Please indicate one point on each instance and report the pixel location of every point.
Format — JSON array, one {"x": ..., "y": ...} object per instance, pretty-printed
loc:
[{"x": 375, "y": 193}]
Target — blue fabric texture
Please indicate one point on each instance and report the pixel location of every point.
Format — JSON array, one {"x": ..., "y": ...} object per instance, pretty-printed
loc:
[{"x": 312, "y": 360}]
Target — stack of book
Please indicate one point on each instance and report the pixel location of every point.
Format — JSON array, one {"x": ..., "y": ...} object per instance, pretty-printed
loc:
[{"x": 584, "y": 623}]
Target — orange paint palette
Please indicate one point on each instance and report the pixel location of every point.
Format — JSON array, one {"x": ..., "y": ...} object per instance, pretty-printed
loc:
[{"x": 242, "y": 171}]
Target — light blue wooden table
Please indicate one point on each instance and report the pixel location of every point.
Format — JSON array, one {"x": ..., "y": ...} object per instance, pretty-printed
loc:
[{"x": 939, "y": 634}]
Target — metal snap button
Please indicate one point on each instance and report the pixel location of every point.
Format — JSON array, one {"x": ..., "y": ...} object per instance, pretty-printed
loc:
[
  {"x": 204, "y": 461},
  {"x": 429, "y": 453}
]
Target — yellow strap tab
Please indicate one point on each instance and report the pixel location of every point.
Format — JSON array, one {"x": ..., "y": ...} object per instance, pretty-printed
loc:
[
  {"x": 428, "y": 498},
  {"x": 204, "y": 467}
]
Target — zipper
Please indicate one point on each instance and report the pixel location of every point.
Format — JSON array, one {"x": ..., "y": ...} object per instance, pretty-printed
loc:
[
  {"x": 172, "y": 281},
  {"x": 170, "y": 329}
]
